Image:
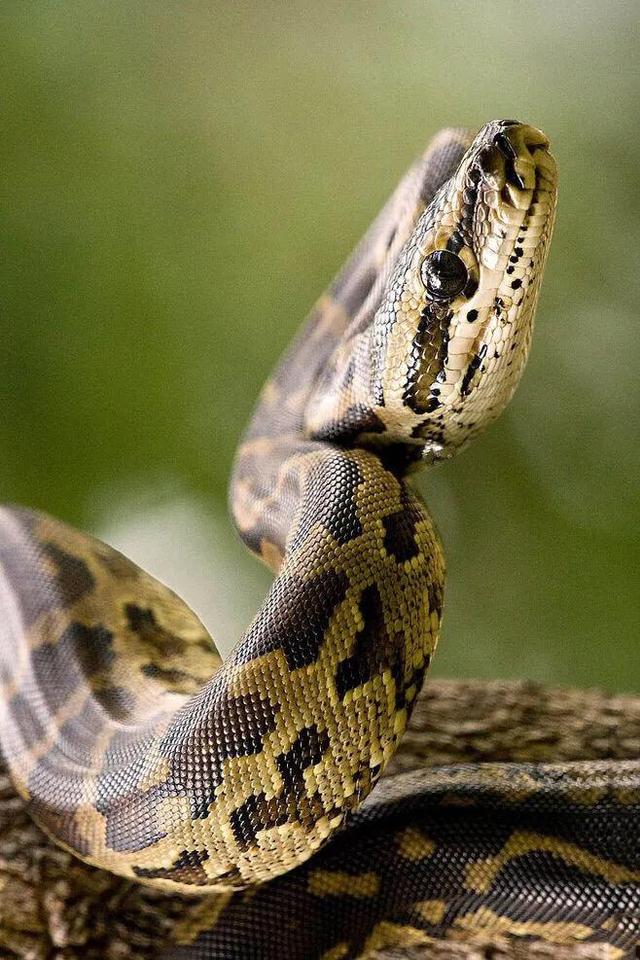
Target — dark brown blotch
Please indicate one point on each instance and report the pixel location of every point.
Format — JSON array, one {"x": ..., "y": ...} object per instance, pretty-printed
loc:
[
  {"x": 256, "y": 814},
  {"x": 91, "y": 647},
  {"x": 306, "y": 751},
  {"x": 400, "y": 532},
  {"x": 80, "y": 655},
  {"x": 241, "y": 724},
  {"x": 73, "y": 578},
  {"x": 374, "y": 646},
  {"x": 42, "y": 576},
  {"x": 142, "y": 621},
  {"x": 187, "y": 868}
]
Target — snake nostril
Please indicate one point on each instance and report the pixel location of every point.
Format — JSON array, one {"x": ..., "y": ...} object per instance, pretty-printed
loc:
[
  {"x": 510, "y": 154},
  {"x": 505, "y": 146}
]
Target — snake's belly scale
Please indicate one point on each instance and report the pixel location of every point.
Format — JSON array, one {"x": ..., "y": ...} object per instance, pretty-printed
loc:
[{"x": 136, "y": 747}]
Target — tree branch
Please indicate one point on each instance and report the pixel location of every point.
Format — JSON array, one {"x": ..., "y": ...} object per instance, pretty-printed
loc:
[{"x": 52, "y": 907}]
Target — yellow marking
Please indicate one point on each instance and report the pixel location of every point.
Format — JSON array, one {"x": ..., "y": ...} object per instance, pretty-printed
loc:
[
  {"x": 203, "y": 916},
  {"x": 336, "y": 953},
  {"x": 171, "y": 811},
  {"x": 331, "y": 883},
  {"x": 159, "y": 773},
  {"x": 560, "y": 933},
  {"x": 91, "y": 828},
  {"x": 271, "y": 554},
  {"x": 162, "y": 854},
  {"x": 413, "y": 845},
  {"x": 431, "y": 911},
  {"x": 387, "y": 934},
  {"x": 480, "y": 875},
  {"x": 400, "y": 721},
  {"x": 256, "y": 447},
  {"x": 271, "y": 393},
  {"x": 410, "y": 695},
  {"x": 333, "y": 316},
  {"x": 586, "y": 797},
  {"x": 628, "y": 797},
  {"x": 20, "y": 786}
]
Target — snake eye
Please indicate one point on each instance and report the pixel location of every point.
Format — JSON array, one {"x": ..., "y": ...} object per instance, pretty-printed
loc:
[{"x": 444, "y": 275}]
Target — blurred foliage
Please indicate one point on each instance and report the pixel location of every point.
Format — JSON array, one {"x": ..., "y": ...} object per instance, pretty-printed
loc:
[{"x": 181, "y": 181}]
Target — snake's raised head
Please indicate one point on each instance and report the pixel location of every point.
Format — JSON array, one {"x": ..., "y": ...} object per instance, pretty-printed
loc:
[
  {"x": 452, "y": 333},
  {"x": 439, "y": 341}
]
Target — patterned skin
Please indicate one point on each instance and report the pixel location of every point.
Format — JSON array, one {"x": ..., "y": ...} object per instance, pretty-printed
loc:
[
  {"x": 547, "y": 853},
  {"x": 138, "y": 749}
]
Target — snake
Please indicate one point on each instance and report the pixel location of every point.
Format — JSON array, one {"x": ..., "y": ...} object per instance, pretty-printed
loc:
[{"x": 250, "y": 779}]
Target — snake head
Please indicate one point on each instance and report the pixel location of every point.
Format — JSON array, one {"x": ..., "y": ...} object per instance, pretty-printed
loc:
[
  {"x": 453, "y": 330},
  {"x": 437, "y": 345}
]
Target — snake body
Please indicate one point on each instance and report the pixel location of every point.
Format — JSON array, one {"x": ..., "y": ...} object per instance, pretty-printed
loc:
[{"x": 137, "y": 748}]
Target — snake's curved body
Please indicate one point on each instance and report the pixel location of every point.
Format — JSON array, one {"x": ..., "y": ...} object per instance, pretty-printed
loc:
[{"x": 140, "y": 750}]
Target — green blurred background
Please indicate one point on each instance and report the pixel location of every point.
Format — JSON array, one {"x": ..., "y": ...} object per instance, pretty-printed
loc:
[{"x": 182, "y": 180}]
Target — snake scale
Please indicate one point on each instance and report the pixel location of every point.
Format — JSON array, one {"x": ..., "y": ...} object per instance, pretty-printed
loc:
[{"x": 138, "y": 749}]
